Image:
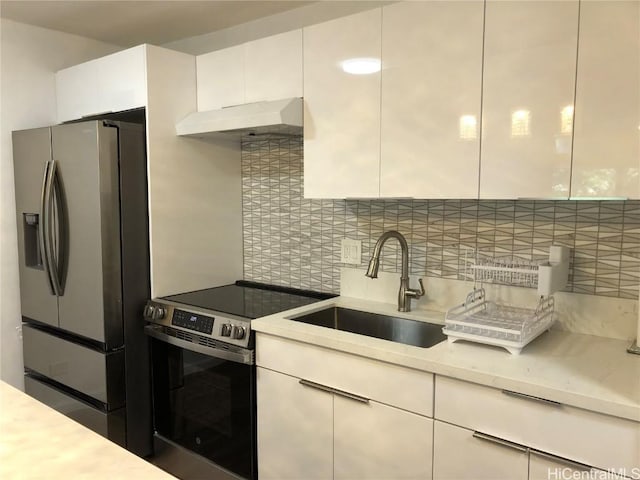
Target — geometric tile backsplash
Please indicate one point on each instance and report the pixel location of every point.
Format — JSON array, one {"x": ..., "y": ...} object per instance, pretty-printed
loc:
[{"x": 293, "y": 241}]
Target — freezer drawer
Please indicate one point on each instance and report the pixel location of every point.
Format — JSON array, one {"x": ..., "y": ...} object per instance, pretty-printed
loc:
[
  {"x": 110, "y": 425},
  {"x": 94, "y": 373}
]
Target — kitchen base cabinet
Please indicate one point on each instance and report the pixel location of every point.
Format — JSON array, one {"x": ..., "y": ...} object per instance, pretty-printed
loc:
[
  {"x": 543, "y": 466},
  {"x": 334, "y": 415},
  {"x": 295, "y": 429},
  {"x": 311, "y": 431},
  {"x": 458, "y": 454},
  {"x": 542, "y": 425},
  {"x": 376, "y": 441},
  {"x": 461, "y": 454}
]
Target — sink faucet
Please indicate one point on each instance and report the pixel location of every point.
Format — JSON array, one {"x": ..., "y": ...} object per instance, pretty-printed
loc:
[{"x": 405, "y": 294}]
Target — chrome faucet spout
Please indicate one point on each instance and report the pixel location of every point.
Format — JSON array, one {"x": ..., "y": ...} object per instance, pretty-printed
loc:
[
  {"x": 374, "y": 264},
  {"x": 405, "y": 294}
]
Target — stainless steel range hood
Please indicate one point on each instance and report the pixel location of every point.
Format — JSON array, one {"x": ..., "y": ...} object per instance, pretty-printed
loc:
[{"x": 278, "y": 117}]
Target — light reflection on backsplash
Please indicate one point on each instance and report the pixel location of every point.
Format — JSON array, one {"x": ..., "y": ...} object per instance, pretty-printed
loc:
[{"x": 292, "y": 241}]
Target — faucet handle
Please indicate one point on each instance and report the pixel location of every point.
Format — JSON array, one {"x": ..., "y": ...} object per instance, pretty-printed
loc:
[{"x": 415, "y": 293}]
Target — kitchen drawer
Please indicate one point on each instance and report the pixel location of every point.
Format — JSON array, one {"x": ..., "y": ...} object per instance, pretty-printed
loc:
[
  {"x": 401, "y": 387},
  {"x": 459, "y": 455},
  {"x": 565, "y": 431},
  {"x": 545, "y": 467}
]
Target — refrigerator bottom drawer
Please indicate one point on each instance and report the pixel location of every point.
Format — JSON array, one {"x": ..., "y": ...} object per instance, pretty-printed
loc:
[
  {"x": 110, "y": 425},
  {"x": 87, "y": 370}
]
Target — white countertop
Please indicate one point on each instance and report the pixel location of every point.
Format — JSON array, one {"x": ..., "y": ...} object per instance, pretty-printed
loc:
[
  {"x": 584, "y": 371},
  {"x": 37, "y": 442}
]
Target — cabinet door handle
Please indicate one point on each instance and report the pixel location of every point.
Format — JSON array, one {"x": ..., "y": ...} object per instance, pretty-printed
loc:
[
  {"x": 531, "y": 397},
  {"x": 570, "y": 463},
  {"x": 335, "y": 391},
  {"x": 500, "y": 441}
]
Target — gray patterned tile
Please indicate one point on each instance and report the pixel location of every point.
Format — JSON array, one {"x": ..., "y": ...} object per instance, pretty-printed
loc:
[{"x": 289, "y": 240}]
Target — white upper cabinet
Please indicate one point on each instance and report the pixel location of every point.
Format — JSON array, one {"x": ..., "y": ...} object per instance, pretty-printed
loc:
[
  {"x": 342, "y": 109},
  {"x": 113, "y": 83},
  {"x": 528, "y": 92},
  {"x": 220, "y": 78},
  {"x": 606, "y": 151},
  {"x": 261, "y": 70},
  {"x": 410, "y": 131},
  {"x": 273, "y": 67},
  {"x": 431, "y": 93}
]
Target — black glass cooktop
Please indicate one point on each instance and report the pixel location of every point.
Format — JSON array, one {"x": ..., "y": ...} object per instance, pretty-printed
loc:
[{"x": 248, "y": 299}]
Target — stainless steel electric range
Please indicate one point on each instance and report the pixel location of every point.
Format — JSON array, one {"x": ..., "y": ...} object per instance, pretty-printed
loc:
[{"x": 203, "y": 376}]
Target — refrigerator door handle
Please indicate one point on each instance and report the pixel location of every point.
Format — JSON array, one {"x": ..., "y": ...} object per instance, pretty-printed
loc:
[
  {"x": 44, "y": 248},
  {"x": 59, "y": 229},
  {"x": 48, "y": 230}
]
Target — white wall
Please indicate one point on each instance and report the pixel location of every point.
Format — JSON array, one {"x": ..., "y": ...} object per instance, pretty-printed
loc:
[{"x": 29, "y": 56}]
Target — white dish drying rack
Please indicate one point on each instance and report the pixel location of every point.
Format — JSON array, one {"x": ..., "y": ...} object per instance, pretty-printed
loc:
[{"x": 511, "y": 327}]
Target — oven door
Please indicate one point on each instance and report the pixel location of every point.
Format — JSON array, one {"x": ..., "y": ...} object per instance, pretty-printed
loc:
[{"x": 204, "y": 402}]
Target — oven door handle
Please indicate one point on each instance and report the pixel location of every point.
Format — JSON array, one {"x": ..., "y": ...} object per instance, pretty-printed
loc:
[{"x": 244, "y": 356}]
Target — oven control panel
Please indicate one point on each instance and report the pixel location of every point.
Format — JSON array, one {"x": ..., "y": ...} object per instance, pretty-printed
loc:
[
  {"x": 215, "y": 325},
  {"x": 192, "y": 321}
]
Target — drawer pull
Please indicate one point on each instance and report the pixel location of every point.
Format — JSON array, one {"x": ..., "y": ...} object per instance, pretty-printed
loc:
[
  {"x": 531, "y": 397},
  {"x": 335, "y": 391},
  {"x": 500, "y": 441},
  {"x": 570, "y": 463}
]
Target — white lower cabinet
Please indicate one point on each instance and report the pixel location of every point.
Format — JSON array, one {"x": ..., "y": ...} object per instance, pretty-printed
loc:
[
  {"x": 324, "y": 414},
  {"x": 483, "y": 432},
  {"x": 312, "y": 431},
  {"x": 542, "y": 425},
  {"x": 295, "y": 429},
  {"x": 461, "y": 454},
  {"x": 543, "y": 466},
  {"x": 376, "y": 441}
]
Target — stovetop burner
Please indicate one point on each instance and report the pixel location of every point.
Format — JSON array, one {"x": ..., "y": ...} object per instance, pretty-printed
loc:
[{"x": 248, "y": 299}]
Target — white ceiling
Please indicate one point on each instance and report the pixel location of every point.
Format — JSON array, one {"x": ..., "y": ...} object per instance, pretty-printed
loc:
[{"x": 131, "y": 22}]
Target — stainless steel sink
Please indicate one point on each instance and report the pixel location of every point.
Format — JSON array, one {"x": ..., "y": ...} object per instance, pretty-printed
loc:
[{"x": 401, "y": 330}]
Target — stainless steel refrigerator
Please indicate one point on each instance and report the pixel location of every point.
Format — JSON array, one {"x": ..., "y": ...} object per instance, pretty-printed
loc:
[{"x": 81, "y": 198}]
